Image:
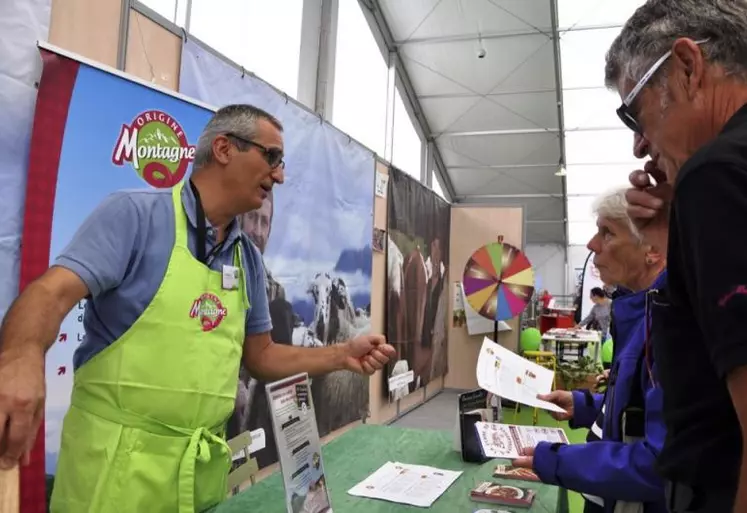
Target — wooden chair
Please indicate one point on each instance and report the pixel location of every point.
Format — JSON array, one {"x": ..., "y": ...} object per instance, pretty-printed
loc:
[
  {"x": 247, "y": 471},
  {"x": 547, "y": 360}
]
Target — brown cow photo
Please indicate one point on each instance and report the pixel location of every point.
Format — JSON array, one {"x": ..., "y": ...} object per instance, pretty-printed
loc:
[{"x": 417, "y": 282}]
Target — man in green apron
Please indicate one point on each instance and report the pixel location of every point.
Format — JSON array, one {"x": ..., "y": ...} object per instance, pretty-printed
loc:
[{"x": 176, "y": 301}]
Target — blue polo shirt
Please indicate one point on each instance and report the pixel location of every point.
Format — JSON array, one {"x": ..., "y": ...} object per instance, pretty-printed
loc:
[{"x": 121, "y": 252}]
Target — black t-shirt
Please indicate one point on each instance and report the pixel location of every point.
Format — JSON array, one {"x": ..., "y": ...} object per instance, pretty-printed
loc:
[{"x": 700, "y": 321}]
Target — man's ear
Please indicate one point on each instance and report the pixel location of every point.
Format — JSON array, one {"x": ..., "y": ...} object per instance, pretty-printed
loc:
[
  {"x": 221, "y": 148},
  {"x": 688, "y": 68}
]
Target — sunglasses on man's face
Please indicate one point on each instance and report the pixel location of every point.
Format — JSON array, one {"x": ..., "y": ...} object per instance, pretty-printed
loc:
[
  {"x": 273, "y": 156},
  {"x": 625, "y": 111}
]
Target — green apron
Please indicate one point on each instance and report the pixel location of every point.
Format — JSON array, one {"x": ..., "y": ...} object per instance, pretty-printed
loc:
[{"x": 145, "y": 428}]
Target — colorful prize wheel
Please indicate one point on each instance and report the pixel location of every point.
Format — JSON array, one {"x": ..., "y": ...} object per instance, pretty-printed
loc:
[{"x": 498, "y": 281}]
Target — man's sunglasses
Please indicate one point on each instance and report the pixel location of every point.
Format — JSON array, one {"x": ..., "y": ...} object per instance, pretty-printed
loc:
[
  {"x": 273, "y": 156},
  {"x": 625, "y": 112}
]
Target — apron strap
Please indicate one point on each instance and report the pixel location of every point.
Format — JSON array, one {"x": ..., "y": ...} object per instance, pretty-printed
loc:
[
  {"x": 197, "y": 450},
  {"x": 238, "y": 261},
  {"x": 180, "y": 217}
]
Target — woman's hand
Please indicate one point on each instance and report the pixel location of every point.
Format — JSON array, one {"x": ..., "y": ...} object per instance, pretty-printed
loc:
[{"x": 562, "y": 398}]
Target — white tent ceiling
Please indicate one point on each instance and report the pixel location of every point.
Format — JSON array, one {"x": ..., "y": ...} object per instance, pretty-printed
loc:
[{"x": 506, "y": 123}]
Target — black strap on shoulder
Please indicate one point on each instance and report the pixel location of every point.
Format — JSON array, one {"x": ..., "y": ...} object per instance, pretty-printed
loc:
[
  {"x": 202, "y": 230},
  {"x": 201, "y": 225},
  {"x": 635, "y": 412},
  {"x": 613, "y": 331}
]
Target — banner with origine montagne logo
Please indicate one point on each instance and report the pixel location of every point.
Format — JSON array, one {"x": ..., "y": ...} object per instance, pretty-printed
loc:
[{"x": 94, "y": 133}]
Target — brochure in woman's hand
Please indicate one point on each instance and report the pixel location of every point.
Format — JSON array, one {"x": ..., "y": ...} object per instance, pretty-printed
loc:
[{"x": 506, "y": 374}]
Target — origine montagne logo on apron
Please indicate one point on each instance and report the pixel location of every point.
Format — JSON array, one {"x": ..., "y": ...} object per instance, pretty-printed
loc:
[
  {"x": 209, "y": 310},
  {"x": 157, "y": 148}
]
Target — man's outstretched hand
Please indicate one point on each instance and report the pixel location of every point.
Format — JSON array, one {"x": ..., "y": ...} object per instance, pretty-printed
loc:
[{"x": 367, "y": 354}]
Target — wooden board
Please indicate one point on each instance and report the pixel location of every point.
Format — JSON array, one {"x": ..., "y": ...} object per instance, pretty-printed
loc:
[{"x": 9, "y": 491}]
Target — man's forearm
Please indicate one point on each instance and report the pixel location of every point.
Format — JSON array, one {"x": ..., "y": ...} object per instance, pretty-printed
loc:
[
  {"x": 33, "y": 320},
  {"x": 278, "y": 361}
]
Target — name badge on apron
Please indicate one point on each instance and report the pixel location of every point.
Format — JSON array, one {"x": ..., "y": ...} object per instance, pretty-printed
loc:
[{"x": 230, "y": 277}]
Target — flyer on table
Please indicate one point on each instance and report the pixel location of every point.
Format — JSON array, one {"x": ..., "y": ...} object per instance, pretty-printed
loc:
[{"x": 401, "y": 483}]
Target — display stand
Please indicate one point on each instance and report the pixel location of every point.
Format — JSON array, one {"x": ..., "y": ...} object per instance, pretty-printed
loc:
[
  {"x": 495, "y": 322},
  {"x": 299, "y": 448}
]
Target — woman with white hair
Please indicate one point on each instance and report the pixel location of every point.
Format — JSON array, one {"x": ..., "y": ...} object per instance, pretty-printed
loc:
[{"x": 615, "y": 470}]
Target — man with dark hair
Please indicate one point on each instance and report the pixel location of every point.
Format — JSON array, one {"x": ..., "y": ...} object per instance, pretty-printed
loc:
[{"x": 176, "y": 302}]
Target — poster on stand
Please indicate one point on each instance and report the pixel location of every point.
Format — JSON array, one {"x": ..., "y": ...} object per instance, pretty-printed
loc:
[
  {"x": 315, "y": 236},
  {"x": 417, "y": 282},
  {"x": 300, "y": 450},
  {"x": 95, "y": 133}
]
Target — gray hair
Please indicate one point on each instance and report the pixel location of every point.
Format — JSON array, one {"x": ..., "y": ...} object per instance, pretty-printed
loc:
[
  {"x": 240, "y": 119},
  {"x": 613, "y": 205},
  {"x": 656, "y": 25}
]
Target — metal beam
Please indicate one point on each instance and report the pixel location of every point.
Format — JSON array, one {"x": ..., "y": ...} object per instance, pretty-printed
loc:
[
  {"x": 447, "y": 96},
  {"x": 559, "y": 96},
  {"x": 511, "y": 196},
  {"x": 372, "y": 10},
  {"x": 426, "y": 157},
  {"x": 156, "y": 18},
  {"x": 481, "y": 133},
  {"x": 310, "y": 49},
  {"x": 532, "y": 131},
  {"x": 391, "y": 84},
  {"x": 188, "y": 16},
  {"x": 546, "y": 221},
  {"x": 317, "y": 57},
  {"x": 503, "y": 166},
  {"x": 124, "y": 33},
  {"x": 547, "y": 32}
]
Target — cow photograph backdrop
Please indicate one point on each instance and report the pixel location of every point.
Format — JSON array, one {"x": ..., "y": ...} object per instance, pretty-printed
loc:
[
  {"x": 315, "y": 236},
  {"x": 417, "y": 281}
]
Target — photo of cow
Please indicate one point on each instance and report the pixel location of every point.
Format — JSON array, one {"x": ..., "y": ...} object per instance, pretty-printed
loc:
[
  {"x": 312, "y": 303},
  {"x": 417, "y": 281}
]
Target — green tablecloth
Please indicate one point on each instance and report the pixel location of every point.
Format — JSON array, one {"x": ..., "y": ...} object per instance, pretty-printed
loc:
[{"x": 358, "y": 453}]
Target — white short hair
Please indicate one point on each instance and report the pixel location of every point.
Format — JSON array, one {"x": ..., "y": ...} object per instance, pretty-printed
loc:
[{"x": 613, "y": 205}]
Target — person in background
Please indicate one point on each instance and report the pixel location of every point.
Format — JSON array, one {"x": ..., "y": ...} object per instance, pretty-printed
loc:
[
  {"x": 616, "y": 467},
  {"x": 680, "y": 68},
  {"x": 599, "y": 316},
  {"x": 545, "y": 298}
]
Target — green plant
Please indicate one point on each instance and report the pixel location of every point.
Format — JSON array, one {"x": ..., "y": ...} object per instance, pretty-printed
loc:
[{"x": 579, "y": 372}]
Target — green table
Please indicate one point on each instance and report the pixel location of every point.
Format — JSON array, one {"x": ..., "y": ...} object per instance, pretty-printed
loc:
[{"x": 358, "y": 453}]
